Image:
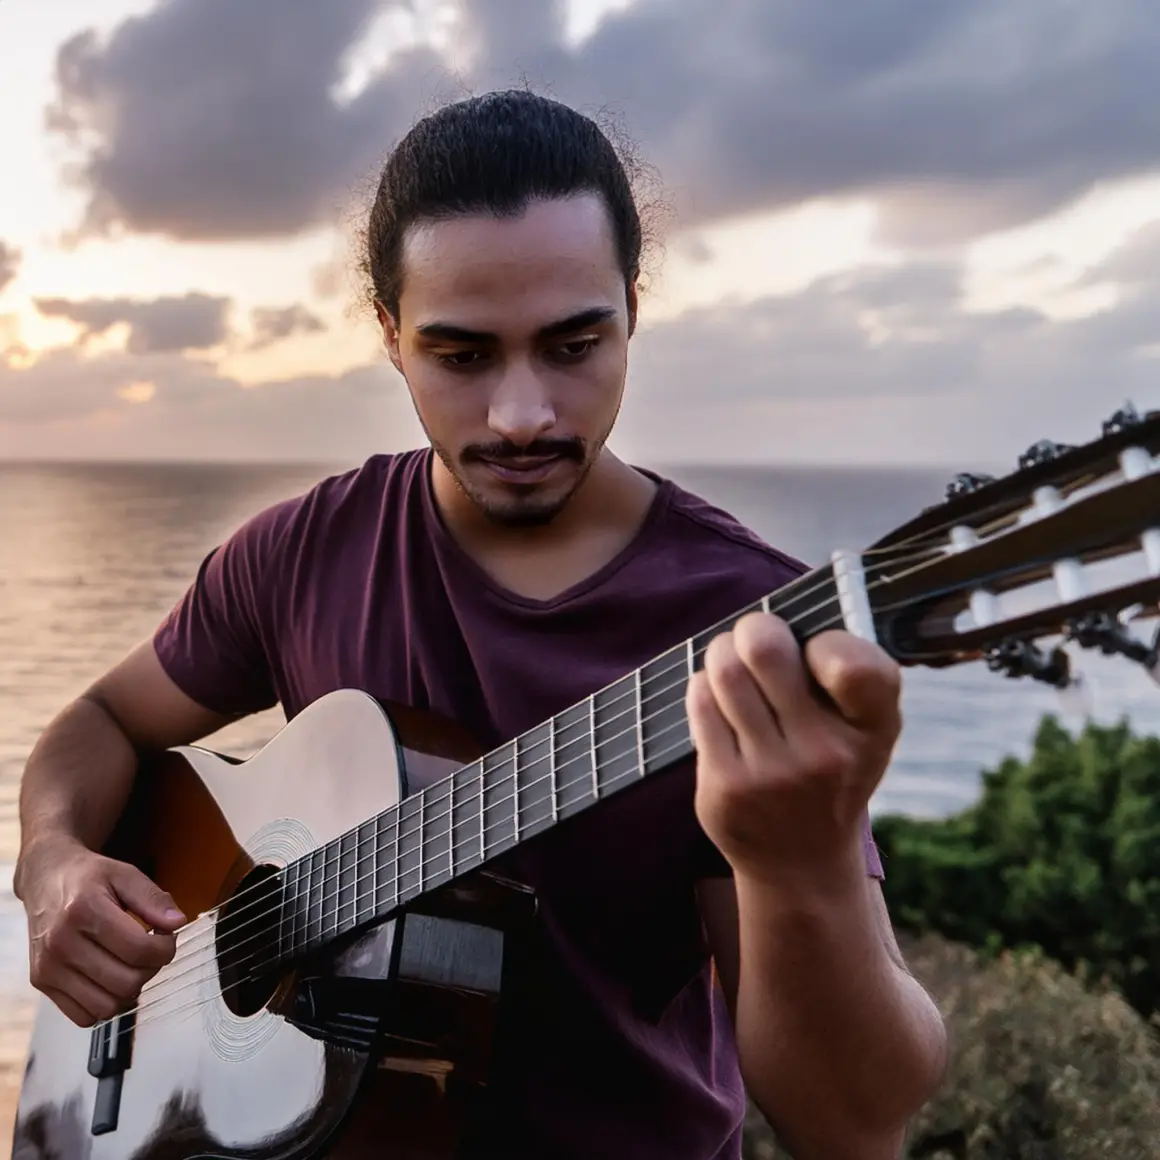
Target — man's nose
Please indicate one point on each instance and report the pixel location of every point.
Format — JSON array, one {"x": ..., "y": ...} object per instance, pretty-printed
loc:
[{"x": 521, "y": 408}]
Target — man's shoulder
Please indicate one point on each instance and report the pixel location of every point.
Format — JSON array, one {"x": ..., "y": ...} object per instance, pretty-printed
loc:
[
  {"x": 718, "y": 538},
  {"x": 340, "y": 501}
]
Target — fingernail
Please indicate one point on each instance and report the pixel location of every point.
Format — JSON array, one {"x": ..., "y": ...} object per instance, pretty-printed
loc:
[{"x": 173, "y": 914}]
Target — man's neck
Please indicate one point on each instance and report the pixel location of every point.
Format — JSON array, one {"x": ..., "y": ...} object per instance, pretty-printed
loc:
[{"x": 600, "y": 520}]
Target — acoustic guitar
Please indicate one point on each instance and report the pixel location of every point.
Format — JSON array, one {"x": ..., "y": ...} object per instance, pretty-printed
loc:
[{"x": 350, "y": 925}]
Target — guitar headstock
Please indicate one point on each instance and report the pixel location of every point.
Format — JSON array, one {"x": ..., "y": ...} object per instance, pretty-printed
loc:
[{"x": 1064, "y": 549}]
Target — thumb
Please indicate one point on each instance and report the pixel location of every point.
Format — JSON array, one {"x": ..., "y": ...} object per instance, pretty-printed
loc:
[{"x": 145, "y": 898}]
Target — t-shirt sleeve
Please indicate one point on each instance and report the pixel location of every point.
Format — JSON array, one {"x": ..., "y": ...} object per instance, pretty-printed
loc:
[
  {"x": 215, "y": 642},
  {"x": 709, "y": 862}
]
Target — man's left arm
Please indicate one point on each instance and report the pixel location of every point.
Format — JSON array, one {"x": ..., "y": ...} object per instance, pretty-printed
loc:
[{"x": 839, "y": 1044}]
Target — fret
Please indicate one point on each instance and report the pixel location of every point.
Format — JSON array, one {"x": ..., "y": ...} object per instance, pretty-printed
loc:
[
  {"x": 498, "y": 780},
  {"x": 638, "y": 721},
  {"x": 364, "y": 878},
  {"x": 397, "y": 857},
  {"x": 807, "y": 604},
  {"x": 314, "y": 888},
  {"x": 422, "y": 840},
  {"x": 467, "y": 817},
  {"x": 329, "y": 901},
  {"x": 291, "y": 908},
  {"x": 376, "y": 831},
  {"x": 348, "y": 874},
  {"x": 592, "y": 748},
  {"x": 616, "y": 735},
  {"x": 555, "y": 782},
  {"x": 535, "y": 775},
  {"x": 386, "y": 861},
  {"x": 575, "y": 765},
  {"x": 436, "y": 815},
  {"x": 410, "y": 848},
  {"x": 664, "y": 727}
]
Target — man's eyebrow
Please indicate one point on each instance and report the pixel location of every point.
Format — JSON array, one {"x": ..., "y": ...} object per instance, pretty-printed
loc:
[{"x": 448, "y": 332}]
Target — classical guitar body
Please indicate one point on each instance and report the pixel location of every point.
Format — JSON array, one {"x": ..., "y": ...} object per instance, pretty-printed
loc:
[{"x": 369, "y": 1046}]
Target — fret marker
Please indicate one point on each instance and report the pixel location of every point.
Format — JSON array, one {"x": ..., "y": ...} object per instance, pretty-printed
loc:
[{"x": 850, "y": 579}]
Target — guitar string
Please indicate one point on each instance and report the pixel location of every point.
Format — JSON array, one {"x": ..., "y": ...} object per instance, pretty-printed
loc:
[
  {"x": 161, "y": 998},
  {"x": 198, "y": 944},
  {"x": 620, "y": 698},
  {"x": 680, "y": 661},
  {"x": 155, "y": 1008}
]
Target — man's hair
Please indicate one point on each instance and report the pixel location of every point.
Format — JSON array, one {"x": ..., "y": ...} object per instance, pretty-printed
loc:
[{"x": 494, "y": 154}]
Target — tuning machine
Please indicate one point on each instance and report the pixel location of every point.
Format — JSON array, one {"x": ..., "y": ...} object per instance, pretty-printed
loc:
[
  {"x": 1020, "y": 658},
  {"x": 1103, "y": 631},
  {"x": 966, "y": 482},
  {"x": 1042, "y": 452},
  {"x": 1127, "y": 416}
]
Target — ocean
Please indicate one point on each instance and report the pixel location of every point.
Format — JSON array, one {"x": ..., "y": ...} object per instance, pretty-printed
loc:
[{"x": 92, "y": 556}]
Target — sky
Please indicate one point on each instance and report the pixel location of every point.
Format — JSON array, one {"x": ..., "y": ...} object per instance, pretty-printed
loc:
[{"x": 890, "y": 232}]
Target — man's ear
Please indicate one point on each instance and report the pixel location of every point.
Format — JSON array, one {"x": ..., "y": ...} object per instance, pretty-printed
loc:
[
  {"x": 389, "y": 325},
  {"x": 633, "y": 301}
]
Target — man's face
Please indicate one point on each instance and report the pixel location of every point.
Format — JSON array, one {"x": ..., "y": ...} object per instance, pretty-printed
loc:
[{"x": 512, "y": 335}]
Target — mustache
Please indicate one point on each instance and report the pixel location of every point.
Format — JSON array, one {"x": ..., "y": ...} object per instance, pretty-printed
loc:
[{"x": 572, "y": 448}]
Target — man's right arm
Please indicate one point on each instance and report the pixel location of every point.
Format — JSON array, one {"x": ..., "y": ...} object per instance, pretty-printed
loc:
[
  {"x": 86, "y": 951},
  {"x": 208, "y": 664},
  {"x": 81, "y": 770}
]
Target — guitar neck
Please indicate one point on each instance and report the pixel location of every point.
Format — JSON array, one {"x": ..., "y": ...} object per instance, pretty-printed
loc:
[{"x": 625, "y": 732}]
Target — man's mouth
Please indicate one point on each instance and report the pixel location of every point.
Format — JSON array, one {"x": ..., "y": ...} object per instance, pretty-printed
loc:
[{"x": 522, "y": 468}]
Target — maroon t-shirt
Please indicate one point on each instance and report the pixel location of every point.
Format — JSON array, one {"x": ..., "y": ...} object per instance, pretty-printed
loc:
[{"x": 619, "y": 1042}]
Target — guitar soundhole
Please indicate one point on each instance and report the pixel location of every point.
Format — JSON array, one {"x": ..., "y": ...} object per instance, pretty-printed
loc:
[{"x": 248, "y": 944}]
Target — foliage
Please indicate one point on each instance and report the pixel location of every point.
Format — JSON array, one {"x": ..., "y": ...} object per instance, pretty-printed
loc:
[
  {"x": 1062, "y": 851},
  {"x": 1043, "y": 1067}
]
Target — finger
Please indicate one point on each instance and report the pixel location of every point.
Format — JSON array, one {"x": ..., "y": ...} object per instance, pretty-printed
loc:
[
  {"x": 862, "y": 680},
  {"x": 713, "y": 739},
  {"x": 118, "y": 932},
  {"x": 106, "y": 970},
  {"x": 70, "y": 1007},
  {"x": 144, "y": 898},
  {"x": 87, "y": 995},
  {"x": 771, "y": 653},
  {"x": 739, "y": 699}
]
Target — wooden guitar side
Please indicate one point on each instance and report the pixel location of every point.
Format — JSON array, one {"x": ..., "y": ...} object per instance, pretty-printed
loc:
[{"x": 209, "y": 1078}]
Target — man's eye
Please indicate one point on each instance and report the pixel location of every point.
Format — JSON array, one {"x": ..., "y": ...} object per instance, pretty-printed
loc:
[
  {"x": 571, "y": 351},
  {"x": 460, "y": 358}
]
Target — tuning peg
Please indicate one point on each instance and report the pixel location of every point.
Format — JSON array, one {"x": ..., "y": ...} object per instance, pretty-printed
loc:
[
  {"x": 1127, "y": 416},
  {"x": 966, "y": 482},
  {"x": 1102, "y": 631},
  {"x": 1042, "y": 452},
  {"x": 1021, "y": 658}
]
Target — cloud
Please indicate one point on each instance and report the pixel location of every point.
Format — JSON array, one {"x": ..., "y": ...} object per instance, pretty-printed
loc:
[
  {"x": 172, "y": 323},
  {"x": 195, "y": 132},
  {"x": 273, "y": 323},
  {"x": 880, "y": 364},
  {"x": 9, "y": 265},
  {"x": 962, "y": 116}
]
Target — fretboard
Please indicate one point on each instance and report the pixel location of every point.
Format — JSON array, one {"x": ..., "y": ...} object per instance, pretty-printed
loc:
[{"x": 625, "y": 732}]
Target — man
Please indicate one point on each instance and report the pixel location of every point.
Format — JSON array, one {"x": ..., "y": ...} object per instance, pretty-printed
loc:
[{"x": 496, "y": 578}]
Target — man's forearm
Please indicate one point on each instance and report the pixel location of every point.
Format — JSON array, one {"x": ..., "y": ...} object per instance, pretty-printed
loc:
[
  {"x": 839, "y": 1045},
  {"x": 76, "y": 783}
]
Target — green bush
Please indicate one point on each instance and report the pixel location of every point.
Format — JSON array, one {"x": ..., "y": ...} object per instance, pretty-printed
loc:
[
  {"x": 1042, "y": 1066},
  {"x": 1062, "y": 851}
]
